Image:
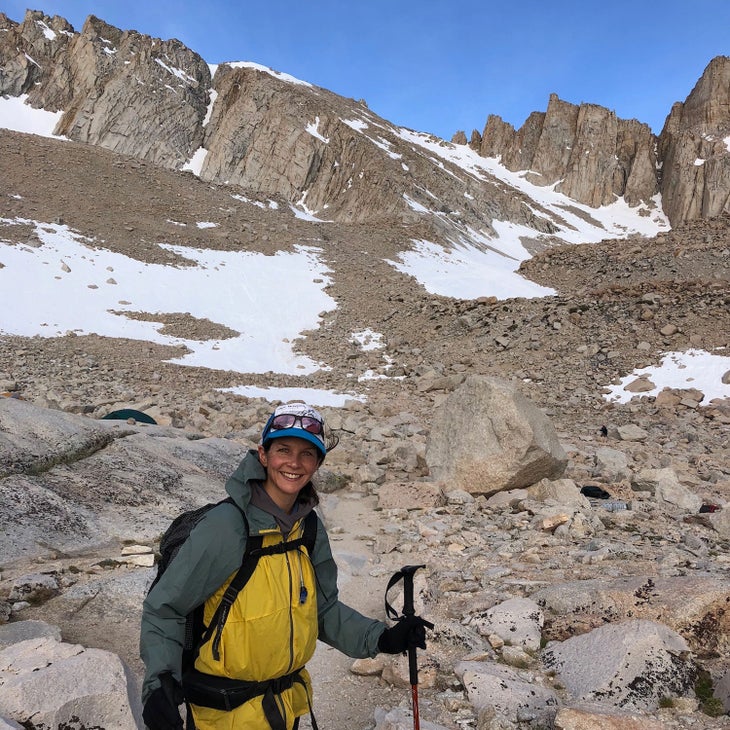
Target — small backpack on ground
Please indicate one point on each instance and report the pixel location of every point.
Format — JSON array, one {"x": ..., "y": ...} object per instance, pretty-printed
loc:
[{"x": 196, "y": 632}]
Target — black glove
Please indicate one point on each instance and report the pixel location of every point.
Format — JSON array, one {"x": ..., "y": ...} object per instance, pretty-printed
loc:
[
  {"x": 409, "y": 631},
  {"x": 160, "y": 711}
]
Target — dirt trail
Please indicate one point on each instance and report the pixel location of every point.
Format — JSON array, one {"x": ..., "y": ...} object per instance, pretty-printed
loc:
[{"x": 342, "y": 699}]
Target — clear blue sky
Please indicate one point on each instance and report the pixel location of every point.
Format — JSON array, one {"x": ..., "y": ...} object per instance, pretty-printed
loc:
[{"x": 438, "y": 65}]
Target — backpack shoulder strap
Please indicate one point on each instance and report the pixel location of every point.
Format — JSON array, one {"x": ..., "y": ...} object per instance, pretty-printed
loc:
[
  {"x": 195, "y": 629},
  {"x": 310, "y": 532}
]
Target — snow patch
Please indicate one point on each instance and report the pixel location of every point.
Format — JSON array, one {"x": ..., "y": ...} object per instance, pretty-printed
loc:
[
  {"x": 17, "y": 115},
  {"x": 195, "y": 163},
  {"x": 368, "y": 339},
  {"x": 265, "y": 69},
  {"x": 49, "y": 33},
  {"x": 64, "y": 286},
  {"x": 313, "y": 129},
  {"x": 692, "y": 369}
]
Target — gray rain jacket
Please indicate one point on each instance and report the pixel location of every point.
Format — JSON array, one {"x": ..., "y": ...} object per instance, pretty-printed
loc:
[{"x": 210, "y": 555}]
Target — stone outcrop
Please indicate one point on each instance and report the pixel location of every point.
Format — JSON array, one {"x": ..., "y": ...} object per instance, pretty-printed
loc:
[
  {"x": 632, "y": 664},
  {"x": 594, "y": 156},
  {"x": 120, "y": 90},
  {"x": 38, "y": 40},
  {"x": 247, "y": 126},
  {"x": 693, "y": 606},
  {"x": 273, "y": 135},
  {"x": 694, "y": 148},
  {"x": 277, "y": 137},
  {"x": 45, "y": 682},
  {"x": 49, "y": 458}
]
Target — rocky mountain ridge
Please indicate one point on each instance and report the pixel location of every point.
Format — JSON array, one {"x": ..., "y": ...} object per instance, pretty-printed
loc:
[
  {"x": 593, "y": 156},
  {"x": 157, "y": 100}
]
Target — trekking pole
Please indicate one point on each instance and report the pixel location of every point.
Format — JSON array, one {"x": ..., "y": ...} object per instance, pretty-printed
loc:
[{"x": 406, "y": 574}]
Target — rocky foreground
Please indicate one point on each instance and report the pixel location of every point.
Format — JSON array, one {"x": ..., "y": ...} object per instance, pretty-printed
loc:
[{"x": 552, "y": 608}]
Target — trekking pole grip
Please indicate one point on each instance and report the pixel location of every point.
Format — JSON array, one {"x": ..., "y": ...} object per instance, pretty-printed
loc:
[{"x": 408, "y": 572}]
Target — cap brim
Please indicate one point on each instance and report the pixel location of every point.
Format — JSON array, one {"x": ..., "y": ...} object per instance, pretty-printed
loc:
[{"x": 299, "y": 433}]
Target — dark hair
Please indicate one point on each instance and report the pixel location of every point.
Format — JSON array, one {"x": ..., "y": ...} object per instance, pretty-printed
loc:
[{"x": 308, "y": 493}]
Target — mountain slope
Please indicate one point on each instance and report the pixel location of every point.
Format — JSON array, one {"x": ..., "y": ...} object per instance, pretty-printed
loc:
[
  {"x": 421, "y": 239},
  {"x": 276, "y": 135}
]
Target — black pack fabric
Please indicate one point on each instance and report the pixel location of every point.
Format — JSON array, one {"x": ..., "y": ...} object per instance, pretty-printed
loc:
[
  {"x": 591, "y": 490},
  {"x": 178, "y": 531}
]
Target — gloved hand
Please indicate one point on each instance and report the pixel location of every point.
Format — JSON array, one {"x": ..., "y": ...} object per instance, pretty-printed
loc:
[
  {"x": 160, "y": 711},
  {"x": 409, "y": 631}
]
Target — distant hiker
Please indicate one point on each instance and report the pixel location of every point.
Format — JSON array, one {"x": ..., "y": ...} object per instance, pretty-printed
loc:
[{"x": 249, "y": 665}]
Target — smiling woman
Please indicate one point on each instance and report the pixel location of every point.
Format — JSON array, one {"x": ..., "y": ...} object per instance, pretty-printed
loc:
[{"x": 248, "y": 667}]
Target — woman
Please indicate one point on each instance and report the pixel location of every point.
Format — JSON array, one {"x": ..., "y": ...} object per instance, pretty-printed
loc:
[{"x": 259, "y": 650}]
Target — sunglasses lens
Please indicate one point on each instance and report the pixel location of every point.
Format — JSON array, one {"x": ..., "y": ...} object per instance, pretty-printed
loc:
[
  {"x": 311, "y": 424},
  {"x": 286, "y": 420}
]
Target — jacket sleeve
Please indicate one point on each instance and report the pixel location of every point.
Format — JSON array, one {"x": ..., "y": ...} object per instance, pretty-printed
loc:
[
  {"x": 206, "y": 559},
  {"x": 339, "y": 625}
]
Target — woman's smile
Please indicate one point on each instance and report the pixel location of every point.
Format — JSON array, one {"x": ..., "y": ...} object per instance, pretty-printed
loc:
[{"x": 290, "y": 463}]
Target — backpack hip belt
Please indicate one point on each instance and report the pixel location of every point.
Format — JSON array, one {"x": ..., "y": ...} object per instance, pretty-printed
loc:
[{"x": 223, "y": 693}]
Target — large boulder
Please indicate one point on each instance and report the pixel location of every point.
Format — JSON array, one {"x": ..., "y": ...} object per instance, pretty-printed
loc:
[
  {"x": 496, "y": 691},
  {"x": 695, "y": 606},
  {"x": 517, "y": 621},
  {"x": 70, "y": 483},
  {"x": 33, "y": 440},
  {"x": 53, "y": 684},
  {"x": 633, "y": 664},
  {"x": 571, "y": 718},
  {"x": 666, "y": 487},
  {"x": 19, "y": 631},
  {"x": 487, "y": 437}
]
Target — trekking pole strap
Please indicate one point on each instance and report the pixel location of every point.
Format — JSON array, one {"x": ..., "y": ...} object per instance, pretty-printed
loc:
[{"x": 405, "y": 574}]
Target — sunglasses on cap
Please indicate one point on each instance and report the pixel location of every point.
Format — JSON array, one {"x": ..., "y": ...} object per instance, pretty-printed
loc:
[{"x": 287, "y": 420}]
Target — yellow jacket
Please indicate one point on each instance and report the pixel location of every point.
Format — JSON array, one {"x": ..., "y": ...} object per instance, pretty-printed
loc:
[{"x": 279, "y": 601}]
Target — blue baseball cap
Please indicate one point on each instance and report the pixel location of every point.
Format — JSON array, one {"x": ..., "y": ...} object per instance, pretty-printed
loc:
[{"x": 298, "y": 420}]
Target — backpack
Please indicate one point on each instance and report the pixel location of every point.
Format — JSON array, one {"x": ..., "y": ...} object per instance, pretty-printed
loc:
[{"x": 196, "y": 632}]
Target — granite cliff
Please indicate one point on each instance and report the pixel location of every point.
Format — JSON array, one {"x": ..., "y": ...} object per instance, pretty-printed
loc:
[
  {"x": 594, "y": 156},
  {"x": 244, "y": 125}
]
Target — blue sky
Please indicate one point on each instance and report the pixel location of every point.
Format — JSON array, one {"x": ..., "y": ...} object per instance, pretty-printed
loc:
[{"x": 439, "y": 66}]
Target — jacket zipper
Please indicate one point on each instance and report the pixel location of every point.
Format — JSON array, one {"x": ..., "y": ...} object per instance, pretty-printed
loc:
[{"x": 291, "y": 612}]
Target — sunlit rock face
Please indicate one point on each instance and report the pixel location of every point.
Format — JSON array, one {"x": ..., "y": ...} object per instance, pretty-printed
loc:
[
  {"x": 694, "y": 147},
  {"x": 263, "y": 130}
]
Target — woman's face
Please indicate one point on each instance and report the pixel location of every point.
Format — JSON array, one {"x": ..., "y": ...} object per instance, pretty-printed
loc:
[{"x": 290, "y": 463}]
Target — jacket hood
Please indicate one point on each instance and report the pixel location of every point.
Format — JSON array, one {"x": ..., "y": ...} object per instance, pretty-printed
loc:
[{"x": 238, "y": 485}]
